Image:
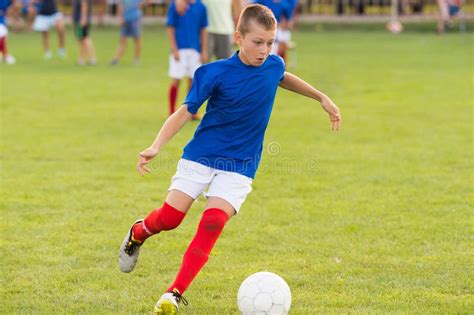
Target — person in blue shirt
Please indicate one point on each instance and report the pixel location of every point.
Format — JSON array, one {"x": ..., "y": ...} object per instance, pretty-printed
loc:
[
  {"x": 188, "y": 40},
  {"x": 6, "y": 57},
  {"x": 130, "y": 15},
  {"x": 283, "y": 11},
  {"x": 47, "y": 17},
  {"x": 224, "y": 154}
]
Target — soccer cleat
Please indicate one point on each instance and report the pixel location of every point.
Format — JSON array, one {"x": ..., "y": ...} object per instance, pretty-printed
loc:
[
  {"x": 129, "y": 251},
  {"x": 168, "y": 304}
]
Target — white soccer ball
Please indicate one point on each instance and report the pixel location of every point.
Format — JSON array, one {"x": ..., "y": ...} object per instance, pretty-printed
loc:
[{"x": 264, "y": 293}]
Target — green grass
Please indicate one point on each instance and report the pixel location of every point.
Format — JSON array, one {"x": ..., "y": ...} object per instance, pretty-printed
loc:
[{"x": 377, "y": 218}]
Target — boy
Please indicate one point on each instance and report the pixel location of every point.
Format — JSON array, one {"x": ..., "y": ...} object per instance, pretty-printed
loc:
[
  {"x": 130, "y": 15},
  {"x": 48, "y": 16},
  {"x": 82, "y": 15},
  {"x": 6, "y": 58},
  {"x": 225, "y": 151},
  {"x": 188, "y": 40}
]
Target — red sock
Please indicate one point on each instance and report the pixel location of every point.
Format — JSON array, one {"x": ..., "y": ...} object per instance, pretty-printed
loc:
[
  {"x": 163, "y": 219},
  {"x": 283, "y": 55},
  {"x": 211, "y": 225},
  {"x": 3, "y": 46},
  {"x": 173, "y": 94}
]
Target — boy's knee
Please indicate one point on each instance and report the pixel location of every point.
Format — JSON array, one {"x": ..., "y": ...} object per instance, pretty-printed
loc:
[{"x": 214, "y": 220}]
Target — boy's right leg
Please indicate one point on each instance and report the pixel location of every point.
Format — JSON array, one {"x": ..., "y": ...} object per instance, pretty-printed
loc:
[
  {"x": 120, "y": 50},
  {"x": 91, "y": 57},
  {"x": 45, "y": 41},
  {"x": 166, "y": 218},
  {"x": 173, "y": 95},
  {"x": 61, "y": 37}
]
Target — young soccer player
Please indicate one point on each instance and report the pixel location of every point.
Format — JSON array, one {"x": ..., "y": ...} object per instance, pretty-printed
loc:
[
  {"x": 49, "y": 16},
  {"x": 188, "y": 40},
  {"x": 6, "y": 57},
  {"x": 130, "y": 15},
  {"x": 225, "y": 151},
  {"x": 82, "y": 15}
]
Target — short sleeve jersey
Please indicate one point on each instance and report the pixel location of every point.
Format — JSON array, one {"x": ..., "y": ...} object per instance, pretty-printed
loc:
[
  {"x": 4, "y": 5},
  {"x": 280, "y": 8},
  {"x": 240, "y": 101},
  {"x": 188, "y": 26},
  {"x": 292, "y": 4},
  {"x": 131, "y": 10}
]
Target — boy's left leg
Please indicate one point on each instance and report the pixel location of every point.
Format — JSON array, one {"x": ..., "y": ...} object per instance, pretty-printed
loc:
[
  {"x": 92, "y": 59},
  {"x": 138, "y": 49},
  {"x": 218, "y": 212},
  {"x": 61, "y": 37},
  {"x": 45, "y": 40}
]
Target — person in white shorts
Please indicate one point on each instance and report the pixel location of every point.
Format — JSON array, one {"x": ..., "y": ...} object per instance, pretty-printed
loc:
[
  {"x": 48, "y": 16},
  {"x": 222, "y": 15},
  {"x": 188, "y": 40},
  {"x": 6, "y": 57},
  {"x": 225, "y": 151}
]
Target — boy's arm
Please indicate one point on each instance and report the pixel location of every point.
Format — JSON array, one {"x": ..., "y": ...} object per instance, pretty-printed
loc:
[
  {"x": 204, "y": 47},
  {"x": 293, "y": 83},
  {"x": 173, "y": 44},
  {"x": 172, "y": 125}
]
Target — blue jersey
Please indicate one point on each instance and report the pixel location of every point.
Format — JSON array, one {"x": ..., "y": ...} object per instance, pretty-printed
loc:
[
  {"x": 280, "y": 8},
  {"x": 131, "y": 10},
  {"x": 240, "y": 101},
  {"x": 291, "y": 8},
  {"x": 188, "y": 26},
  {"x": 4, "y": 4}
]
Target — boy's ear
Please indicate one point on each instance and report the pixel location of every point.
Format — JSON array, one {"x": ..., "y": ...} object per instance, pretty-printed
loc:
[{"x": 238, "y": 38}]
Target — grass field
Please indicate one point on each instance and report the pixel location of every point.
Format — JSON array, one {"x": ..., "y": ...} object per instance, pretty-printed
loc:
[{"x": 377, "y": 218}]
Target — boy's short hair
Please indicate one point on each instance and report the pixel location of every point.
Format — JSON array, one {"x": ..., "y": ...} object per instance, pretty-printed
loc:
[{"x": 258, "y": 13}]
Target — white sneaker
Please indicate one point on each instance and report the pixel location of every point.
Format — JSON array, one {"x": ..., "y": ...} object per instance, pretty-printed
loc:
[
  {"x": 62, "y": 53},
  {"x": 129, "y": 251},
  {"x": 9, "y": 60},
  {"x": 48, "y": 55},
  {"x": 168, "y": 303}
]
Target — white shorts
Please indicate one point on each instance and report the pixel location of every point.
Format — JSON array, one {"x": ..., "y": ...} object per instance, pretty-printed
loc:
[
  {"x": 189, "y": 61},
  {"x": 282, "y": 36},
  {"x": 44, "y": 22},
  {"x": 3, "y": 31},
  {"x": 193, "y": 178}
]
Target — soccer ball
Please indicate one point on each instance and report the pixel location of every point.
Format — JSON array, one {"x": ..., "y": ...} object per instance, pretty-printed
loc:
[{"x": 264, "y": 293}]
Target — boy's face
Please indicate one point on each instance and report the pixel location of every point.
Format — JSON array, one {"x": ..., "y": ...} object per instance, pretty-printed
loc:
[{"x": 256, "y": 45}]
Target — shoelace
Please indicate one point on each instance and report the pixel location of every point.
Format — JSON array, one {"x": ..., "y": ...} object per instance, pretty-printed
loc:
[
  {"x": 179, "y": 297},
  {"x": 131, "y": 247}
]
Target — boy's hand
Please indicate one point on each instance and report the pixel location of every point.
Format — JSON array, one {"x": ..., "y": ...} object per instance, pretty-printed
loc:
[
  {"x": 144, "y": 158},
  {"x": 333, "y": 111},
  {"x": 83, "y": 21}
]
